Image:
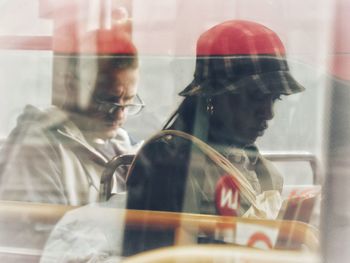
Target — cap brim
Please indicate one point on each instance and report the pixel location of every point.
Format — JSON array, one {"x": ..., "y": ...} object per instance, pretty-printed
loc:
[{"x": 276, "y": 82}]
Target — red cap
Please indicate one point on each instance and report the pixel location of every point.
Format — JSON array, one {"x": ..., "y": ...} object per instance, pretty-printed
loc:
[
  {"x": 101, "y": 42},
  {"x": 237, "y": 55},
  {"x": 239, "y": 37}
]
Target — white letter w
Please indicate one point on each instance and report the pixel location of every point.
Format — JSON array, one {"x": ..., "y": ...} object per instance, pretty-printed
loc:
[{"x": 228, "y": 200}]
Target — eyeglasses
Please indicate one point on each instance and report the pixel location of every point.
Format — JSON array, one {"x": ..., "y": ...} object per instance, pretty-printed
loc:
[{"x": 112, "y": 107}]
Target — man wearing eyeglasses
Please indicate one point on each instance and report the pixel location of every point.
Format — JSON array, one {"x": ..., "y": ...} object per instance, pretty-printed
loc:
[{"x": 57, "y": 155}]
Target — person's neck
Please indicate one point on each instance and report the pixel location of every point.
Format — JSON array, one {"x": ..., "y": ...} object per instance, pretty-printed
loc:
[{"x": 228, "y": 141}]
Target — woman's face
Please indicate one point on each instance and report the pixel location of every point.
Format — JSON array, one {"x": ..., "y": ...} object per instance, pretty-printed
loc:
[{"x": 240, "y": 118}]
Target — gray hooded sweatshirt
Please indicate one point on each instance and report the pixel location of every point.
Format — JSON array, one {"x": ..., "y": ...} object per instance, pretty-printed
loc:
[{"x": 46, "y": 159}]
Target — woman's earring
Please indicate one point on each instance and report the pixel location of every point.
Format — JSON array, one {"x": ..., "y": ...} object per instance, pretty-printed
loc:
[{"x": 210, "y": 106}]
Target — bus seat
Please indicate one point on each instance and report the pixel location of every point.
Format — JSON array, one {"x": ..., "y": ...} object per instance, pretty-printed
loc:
[{"x": 295, "y": 158}]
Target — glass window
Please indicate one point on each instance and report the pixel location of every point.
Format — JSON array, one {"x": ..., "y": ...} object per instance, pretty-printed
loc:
[{"x": 238, "y": 151}]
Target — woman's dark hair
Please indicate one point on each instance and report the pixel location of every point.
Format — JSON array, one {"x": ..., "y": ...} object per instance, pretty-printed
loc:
[{"x": 190, "y": 117}]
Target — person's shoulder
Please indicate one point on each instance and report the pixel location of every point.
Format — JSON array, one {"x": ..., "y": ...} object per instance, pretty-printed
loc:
[
  {"x": 36, "y": 129},
  {"x": 35, "y": 119},
  {"x": 171, "y": 138},
  {"x": 165, "y": 147},
  {"x": 33, "y": 123}
]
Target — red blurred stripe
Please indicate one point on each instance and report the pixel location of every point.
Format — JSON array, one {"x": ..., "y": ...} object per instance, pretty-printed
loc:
[{"x": 26, "y": 42}]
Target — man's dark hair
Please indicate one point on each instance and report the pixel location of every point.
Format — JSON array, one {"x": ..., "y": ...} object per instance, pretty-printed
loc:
[
  {"x": 73, "y": 65},
  {"x": 115, "y": 62}
]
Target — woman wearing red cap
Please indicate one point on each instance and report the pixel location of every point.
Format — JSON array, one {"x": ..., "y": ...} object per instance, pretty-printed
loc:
[{"x": 205, "y": 160}]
